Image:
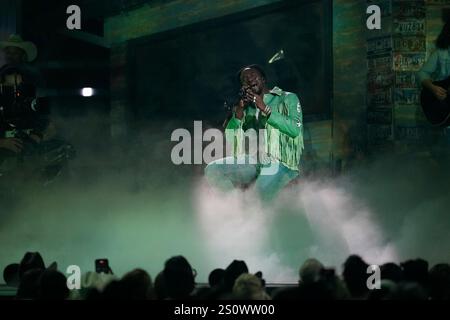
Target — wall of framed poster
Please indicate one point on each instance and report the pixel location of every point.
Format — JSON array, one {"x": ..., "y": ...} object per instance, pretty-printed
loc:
[
  {"x": 380, "y": 78},
  {"x": 394, "y": 57}
]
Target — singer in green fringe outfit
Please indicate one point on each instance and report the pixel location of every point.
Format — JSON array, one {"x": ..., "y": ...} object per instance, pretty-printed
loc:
[{"x": 279, "y": 114}]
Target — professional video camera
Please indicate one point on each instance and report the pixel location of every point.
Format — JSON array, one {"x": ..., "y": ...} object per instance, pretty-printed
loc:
[
  {"x": 22, "y": 116},
  {"x": 18, "y": 100}
]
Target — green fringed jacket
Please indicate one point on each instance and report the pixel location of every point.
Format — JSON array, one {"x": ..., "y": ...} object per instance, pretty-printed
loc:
[{"x": 283, "y": 128}]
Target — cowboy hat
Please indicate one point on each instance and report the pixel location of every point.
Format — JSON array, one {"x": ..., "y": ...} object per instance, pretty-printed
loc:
[
  {"x": 16, "y": 40},
  {"x": 13, "y": 272},
  {"x": 33, "y": 260}
]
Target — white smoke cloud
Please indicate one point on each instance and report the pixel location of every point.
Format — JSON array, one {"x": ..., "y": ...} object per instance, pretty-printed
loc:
[
  {"x": 148, "y": 210},
  {"x": 236, "y": 225},
  {"x": 382, "y": 214}
]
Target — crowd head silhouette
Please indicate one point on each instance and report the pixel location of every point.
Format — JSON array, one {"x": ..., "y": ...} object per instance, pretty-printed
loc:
[{"x": 410, "y": 280}]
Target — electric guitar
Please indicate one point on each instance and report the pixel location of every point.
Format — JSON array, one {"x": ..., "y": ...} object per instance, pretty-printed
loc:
[{"x": 436, "y": 111}]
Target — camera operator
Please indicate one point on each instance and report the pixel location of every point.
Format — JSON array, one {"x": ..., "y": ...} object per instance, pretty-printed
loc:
[
  {"x": 19, "y": 89},
  {"x": 25, "y": 126}
]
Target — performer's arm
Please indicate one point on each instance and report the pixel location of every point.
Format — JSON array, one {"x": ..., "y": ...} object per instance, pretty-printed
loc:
[
  {"x": 237, "y": 119},
  {"x": 234, "y": 123},
  {"x": 292, "y": 123},
  {"x": 429, "y": 67},
  {"x": 425, "y": 76},
  {"x": 233, "y": 132}
]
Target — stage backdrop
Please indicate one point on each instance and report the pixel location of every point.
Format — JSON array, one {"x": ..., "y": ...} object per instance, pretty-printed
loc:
[{"x": 188, "y": 73}]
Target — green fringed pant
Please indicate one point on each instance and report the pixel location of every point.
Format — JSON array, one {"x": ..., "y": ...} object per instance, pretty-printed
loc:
[{"x": 236, "y": 172}]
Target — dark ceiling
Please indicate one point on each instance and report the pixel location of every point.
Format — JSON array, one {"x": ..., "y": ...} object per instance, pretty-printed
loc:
[
  {"x": 106, "y": 8},
  {"x": 51, "y": 15},
  {"x": 90, "y": 9}
]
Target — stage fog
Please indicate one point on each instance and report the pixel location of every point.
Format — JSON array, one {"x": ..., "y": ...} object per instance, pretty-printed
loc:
[
  {"x": 140, "y": 211},
  {"x": 374, "y": 175}
]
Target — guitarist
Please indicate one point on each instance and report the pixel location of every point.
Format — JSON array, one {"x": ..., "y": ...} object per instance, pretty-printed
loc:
[{"x": 437, "y": 67}]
